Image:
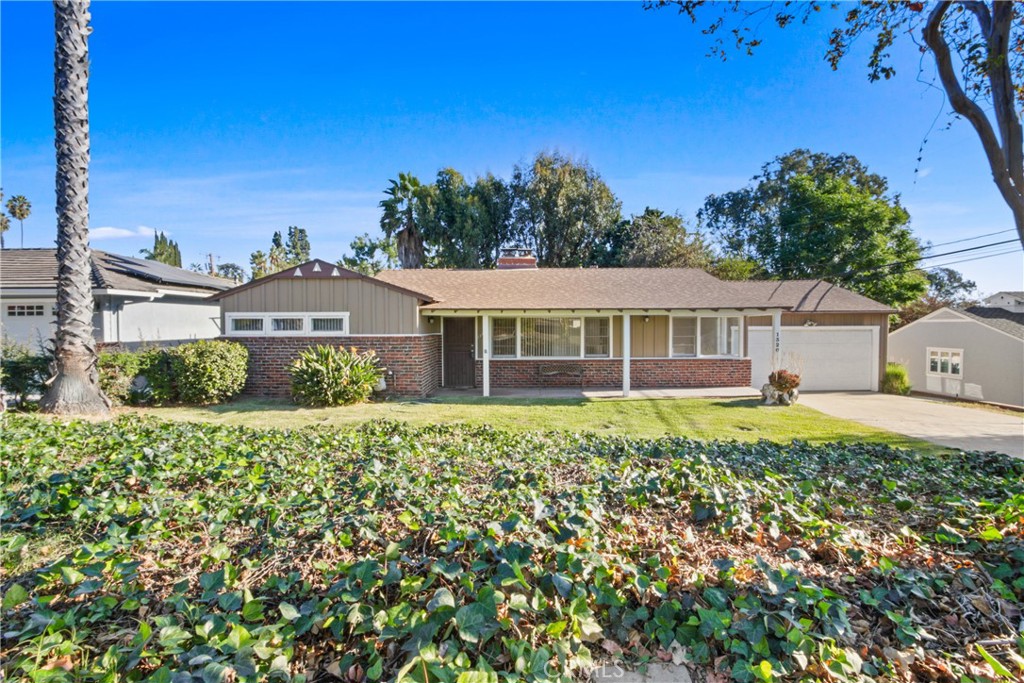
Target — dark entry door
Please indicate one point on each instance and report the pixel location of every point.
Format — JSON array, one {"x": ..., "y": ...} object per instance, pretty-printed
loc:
[{"x": 459, "y": 361}]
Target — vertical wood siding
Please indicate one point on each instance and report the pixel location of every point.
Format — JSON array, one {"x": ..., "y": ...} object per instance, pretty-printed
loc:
[{"x": 374, "y": 309}]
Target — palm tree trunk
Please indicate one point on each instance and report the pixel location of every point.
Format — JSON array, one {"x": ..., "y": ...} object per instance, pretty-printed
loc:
[{"x": 75, "y": 388}]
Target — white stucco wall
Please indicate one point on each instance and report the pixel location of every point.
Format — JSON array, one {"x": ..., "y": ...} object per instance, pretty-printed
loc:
[
  {"x": 1007, "y": 300},
  {"x": 164, "y": 319},
  {"x": 993, "y": 362}
]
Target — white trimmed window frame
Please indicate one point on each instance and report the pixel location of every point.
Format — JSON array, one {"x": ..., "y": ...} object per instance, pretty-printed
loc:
[
  {"x": 941, "y": 352},
  {"x": 268, "y": 324},
  {"x": 722, "y": 320},
  {"x": 583, "y": 337}
]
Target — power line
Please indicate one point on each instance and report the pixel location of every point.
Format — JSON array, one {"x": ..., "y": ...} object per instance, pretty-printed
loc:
[
  {"x": 967, "y": 260},
  {"x": 948, "y": 253},
  {"x": 970, "y": 239}
]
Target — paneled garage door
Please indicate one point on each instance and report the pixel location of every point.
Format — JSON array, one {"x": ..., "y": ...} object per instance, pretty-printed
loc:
[{"x": 828, "y": 358}]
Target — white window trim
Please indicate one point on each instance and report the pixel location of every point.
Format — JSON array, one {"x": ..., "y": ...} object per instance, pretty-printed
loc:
[
  {"x": 940, "y": 350},
  {"x": 583, "y": 340},
  {"x": 268, "y": 331},
  {"x": 722, "y": 319}
]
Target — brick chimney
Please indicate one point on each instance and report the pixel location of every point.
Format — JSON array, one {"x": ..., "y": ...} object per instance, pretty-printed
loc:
[{"x": 516, "y": 259}]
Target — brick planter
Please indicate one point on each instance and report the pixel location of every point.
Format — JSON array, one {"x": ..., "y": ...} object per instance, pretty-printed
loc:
[
  {"x": 645, "y": 373},
  {"x": 413, "y": 362}
]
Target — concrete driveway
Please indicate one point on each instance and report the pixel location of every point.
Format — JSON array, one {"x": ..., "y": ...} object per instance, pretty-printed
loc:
[{"x": 969, "y": 429}]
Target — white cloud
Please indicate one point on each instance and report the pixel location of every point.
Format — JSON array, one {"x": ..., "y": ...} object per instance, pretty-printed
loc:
[
  {"x": 110, "y": 233},
  {"x": 924, "y": 172}
]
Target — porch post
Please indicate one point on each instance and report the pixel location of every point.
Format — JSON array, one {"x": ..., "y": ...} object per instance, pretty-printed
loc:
[
  {"x": 626, "y": 351},
  {"x": 776, "y": 339},
  {"x": 486, "y": 355}
]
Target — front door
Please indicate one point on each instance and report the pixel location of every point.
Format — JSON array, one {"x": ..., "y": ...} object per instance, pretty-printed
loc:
[{"x": 459, "y": 356}]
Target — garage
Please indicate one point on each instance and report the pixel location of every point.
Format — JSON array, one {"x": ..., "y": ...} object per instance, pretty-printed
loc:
[{"x": 839, "y": 358}]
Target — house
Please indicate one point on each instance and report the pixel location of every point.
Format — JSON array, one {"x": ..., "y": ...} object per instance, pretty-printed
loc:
[
  {"x": 975, "y": 353},
  {"x": 520, "y": 326},
  {"x": 135, "y": 300}
]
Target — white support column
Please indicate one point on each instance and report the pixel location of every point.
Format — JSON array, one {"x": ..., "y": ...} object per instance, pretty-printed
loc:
[
  {"x": 486, "y": 354},
  {"x": 776, "y": 339},
  {"x": 626, "y": 351}
]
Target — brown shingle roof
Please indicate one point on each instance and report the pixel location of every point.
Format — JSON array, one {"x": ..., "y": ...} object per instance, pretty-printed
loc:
[
  {"x": 810, "y": 296},
  {"x": 618, "y": 288},
  {"x": 37, "y": 269}
]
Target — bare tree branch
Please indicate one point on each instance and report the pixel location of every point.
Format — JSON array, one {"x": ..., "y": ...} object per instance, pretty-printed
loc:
[{"x": 1007, "y": 178}]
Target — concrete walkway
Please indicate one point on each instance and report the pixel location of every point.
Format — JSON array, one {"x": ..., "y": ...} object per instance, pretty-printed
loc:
[
  {"x": 608, "y": 393},
  {"x": 969, "y": 429}
]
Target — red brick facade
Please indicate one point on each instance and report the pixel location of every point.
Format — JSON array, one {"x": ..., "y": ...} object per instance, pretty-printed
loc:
[
  {"x": 413, "y": 362},
  {"x": 645, "y": 373}
]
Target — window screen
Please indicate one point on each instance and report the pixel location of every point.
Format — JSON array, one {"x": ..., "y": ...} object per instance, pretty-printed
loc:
[{"x": 597, "y": 336}]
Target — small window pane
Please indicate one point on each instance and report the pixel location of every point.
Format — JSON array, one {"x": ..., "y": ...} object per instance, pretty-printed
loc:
[
  {"x": 954, "y": 364},
  {"x": 597, "y": 335},
  {"x": 933, "y": 362},
  {"x": 709, "y": 336},
  {"x": 25, "y": 310},
  {"x": 684, "y": 336},
  {"x": 247, "y": 324},
  {"x": 503, "y": 337},
  {"x": 944, "y": 364},
  {"x": 286, "y": 324},
  {"x": 327, "y": 324}
]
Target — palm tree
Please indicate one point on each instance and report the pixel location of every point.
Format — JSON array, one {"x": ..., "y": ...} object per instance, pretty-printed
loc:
[
  {"x": 400, "y": 216},
  {"x": 19, "y": 207},
  {"x": 5, "y": 222},
  {"x": 75, "y": 389}
]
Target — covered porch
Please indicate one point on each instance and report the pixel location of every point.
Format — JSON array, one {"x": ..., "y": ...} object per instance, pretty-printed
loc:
[{"x": 598, "y": 352}]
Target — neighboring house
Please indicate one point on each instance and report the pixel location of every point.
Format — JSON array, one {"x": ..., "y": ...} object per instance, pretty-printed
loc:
[
  {"x": 975, "y": 353},
  {"x": 135, "y": 300},
  {"x": 520, "y": 326}
]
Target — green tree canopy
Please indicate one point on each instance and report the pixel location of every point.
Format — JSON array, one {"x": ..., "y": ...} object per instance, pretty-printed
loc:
[
  {"x": 564, "y": 210},
  {"x": 370, "y": 256},
  {"x": 19, "y": 208},
  {"x": 813, "y": 215},
  {"x": 403, "y": 213},
  {"x": 655, "y": 239}
]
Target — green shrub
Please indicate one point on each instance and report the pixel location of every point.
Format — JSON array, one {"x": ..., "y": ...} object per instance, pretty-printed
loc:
[
  {"x": 208, "y": 371},
  {"x": 334, "y": 376},
  {"x": 22, "y": 373},
  {"x": 896, "y": 380},
  {"x": 160, "y": 387},
  {"x": 118, "y": 370}
]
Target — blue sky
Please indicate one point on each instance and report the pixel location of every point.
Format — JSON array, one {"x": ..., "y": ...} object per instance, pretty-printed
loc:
[{"x": 222, "y": 122}]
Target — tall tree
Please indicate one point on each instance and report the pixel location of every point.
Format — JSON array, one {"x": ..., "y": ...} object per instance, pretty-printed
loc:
[
  {"x": 811, "y": 215},
  {"x": 492, "y": 205},
  {"x": 75, "y": 389},
  {"x": 370, "y": 256},
  {"x": 282, "y": 254},
  {"x": 20, "y": 208},
  {"x": 5, "y": 223},
  {"x": 401, "y": 218},
  {"x": 164, "y": 250},
  {"x": 564, "y": 210},
  {"x": 655, "y": 239},
  {"x": 984, "y": 82}
]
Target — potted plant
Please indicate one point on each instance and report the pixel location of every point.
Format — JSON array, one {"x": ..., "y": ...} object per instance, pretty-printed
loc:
[{"x": 781, "y": 388}]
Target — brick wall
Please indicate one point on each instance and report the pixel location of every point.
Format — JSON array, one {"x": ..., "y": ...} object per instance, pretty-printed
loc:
[
  {"x": 413, "y": 362},
  {"x": 647, "y": 373}
]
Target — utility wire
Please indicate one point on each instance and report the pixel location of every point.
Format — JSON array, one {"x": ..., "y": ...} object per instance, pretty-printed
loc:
[
  {"x": 967, "y": 260},
  {"x": 970, "y": 239},
  {"x": 948, "y": 253}
]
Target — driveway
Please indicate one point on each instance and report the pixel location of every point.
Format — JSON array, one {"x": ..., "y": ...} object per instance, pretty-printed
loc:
[{"x": 969, "y": 429}]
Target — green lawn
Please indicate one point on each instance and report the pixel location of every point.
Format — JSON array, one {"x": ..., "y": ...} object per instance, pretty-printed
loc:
[{"x": 739, "y": 419}]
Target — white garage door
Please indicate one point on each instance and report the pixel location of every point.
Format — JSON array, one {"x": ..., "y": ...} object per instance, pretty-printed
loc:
[{"x": 827, "y": 358}]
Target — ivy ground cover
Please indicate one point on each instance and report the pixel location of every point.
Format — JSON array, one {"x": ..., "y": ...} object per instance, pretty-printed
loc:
[{"x": 171, "y": 552}]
